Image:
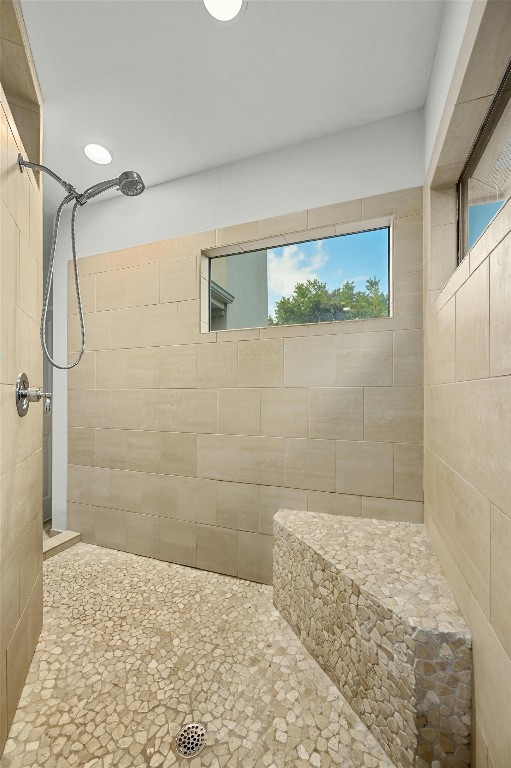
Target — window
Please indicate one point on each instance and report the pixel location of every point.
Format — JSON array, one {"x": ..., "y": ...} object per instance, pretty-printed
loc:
[
  {"x": 485, "y": 183},
  {"x": 343, "y": 277}
]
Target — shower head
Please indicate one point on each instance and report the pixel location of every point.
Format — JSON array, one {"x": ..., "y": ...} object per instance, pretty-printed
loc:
[{"x": 131, "y": 184}]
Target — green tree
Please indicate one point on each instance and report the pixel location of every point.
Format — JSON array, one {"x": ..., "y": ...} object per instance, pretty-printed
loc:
[{"x": 312, "y": 302}]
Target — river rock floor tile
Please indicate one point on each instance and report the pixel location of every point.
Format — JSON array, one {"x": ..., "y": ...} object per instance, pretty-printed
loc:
[
  {"x": 369, "y": 601},
  {"x": 133, "y": 648}
]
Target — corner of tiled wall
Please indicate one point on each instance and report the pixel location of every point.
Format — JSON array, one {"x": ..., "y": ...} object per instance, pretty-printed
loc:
[
  {"x": 467, "y": 418},
  {"x": 21, "y": 438}
]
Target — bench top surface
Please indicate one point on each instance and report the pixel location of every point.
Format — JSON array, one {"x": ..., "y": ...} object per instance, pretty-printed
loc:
[{"x": 393, "y": 562}]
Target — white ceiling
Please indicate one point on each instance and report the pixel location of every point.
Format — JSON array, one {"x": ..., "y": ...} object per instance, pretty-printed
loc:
[{"x": 171, "y": 91}]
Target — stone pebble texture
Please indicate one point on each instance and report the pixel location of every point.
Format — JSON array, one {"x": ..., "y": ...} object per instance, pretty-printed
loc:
[
  {"x": 370, "y": 603},
  {"x": 133, "y": 648}
]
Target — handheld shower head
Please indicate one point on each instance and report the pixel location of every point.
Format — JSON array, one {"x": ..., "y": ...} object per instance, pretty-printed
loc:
[{"x": 131, "y": 184}]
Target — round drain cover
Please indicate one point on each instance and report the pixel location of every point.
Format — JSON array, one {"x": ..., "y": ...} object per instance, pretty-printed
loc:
[{"x": 191, "y": 739}]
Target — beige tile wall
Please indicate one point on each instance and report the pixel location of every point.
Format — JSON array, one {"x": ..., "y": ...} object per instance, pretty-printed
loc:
[
  {"x": 20, "y": 438},
  {"x": 467, "y": 480},
  {"x": 182, "y": 444},
  {"x": 467, "y": 375}
]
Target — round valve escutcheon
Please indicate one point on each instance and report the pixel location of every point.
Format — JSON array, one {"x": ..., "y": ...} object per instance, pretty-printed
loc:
[{"x": 26, "y": 395}]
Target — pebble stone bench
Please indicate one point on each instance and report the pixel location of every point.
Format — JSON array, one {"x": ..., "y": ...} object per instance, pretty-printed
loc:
[{"x": 370, "y": 603}]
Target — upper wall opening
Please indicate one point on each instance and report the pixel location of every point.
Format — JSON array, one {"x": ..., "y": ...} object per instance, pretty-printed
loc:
[
  {"x": 485, "y": 184},
  {"x": 487, "y": 62},
  {"x": 19, "y": 80}
]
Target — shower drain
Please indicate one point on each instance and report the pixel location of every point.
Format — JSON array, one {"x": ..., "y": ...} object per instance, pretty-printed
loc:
[{"x": 191, "y": 740}]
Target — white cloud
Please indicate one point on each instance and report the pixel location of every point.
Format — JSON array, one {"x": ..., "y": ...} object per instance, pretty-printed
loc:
[
  {"x": 360, "y": 281},
  {"x": 291, "y": 265}
]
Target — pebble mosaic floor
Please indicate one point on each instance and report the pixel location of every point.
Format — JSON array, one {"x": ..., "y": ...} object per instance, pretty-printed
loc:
[{"x": 133, "y": 648}]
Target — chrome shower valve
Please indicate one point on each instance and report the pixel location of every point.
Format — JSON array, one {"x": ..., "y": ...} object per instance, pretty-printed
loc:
[{"x": 26, "y": 395}]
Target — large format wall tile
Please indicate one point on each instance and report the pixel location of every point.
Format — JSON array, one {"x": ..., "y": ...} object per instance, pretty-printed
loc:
[
  {"x": 408, "y": 471},
  {"x": 363, "y": 359},
  {"x": 217, "y": 550},
  {"x": 178, "y": 366},
  {"x": 196, "y": 500},
  {"x": 197, "y": 410},
  {"x": 237, "y": 506},
  {"x": 392, "y": 509},
  {"x": 217, "y": 365},
  {"x": 239, "y": 411},
  {"x": 21, "y": 489},
  {"x": 310, "y": 464},
  {"x": 217, "y": 456},
  {"x": 179, "y": 453},
  {"x": 365, "y": 469},
  {"x": 408, "y": 300},
  {"x": 260, "y": 363},
  {"x": 333, "y": 503},
  {"x": 159, "y": 495},
  {"x": 255, "y": 557},
  {"x": 178, "y": 542},
  {"x": 408, "y": 244},
  {"x": 309, "y": 362},
  {"x": 160, "y": 410},
  {"x": 472, "y": 326},
  {"x": 126, "y": 409},
  {"x": 178, "y": 279},
  {"x": 443, "y": 358},
  {"x": 10, "y": 596},
  {"x": 393, "y": 414},
  {"x": 81, "y": 447},
  {"x": 20, "y": 499},
  {"x": 337, "y": 413},
  {"x": 467, "y": 468},
  {"x": 261, "y": 460},
  {"x": 501, "y": 577},
  {"x": 500, "y": 317},
  {"x": 285, "y": 412},
  {"x": 272, "y": 499},
  {"x": 408, "y": 358}
]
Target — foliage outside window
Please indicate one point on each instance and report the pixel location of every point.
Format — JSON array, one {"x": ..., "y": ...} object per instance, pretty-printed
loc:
[
  {"x": 312, "y": 302},
  {"x": 485, "y": 183},
  {"x": 345, "y": 277}
]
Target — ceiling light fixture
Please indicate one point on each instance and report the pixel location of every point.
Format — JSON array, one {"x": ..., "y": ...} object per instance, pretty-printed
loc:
[
  {"x": 223, "y": 10},
  {"x": 98, "y": 154}
]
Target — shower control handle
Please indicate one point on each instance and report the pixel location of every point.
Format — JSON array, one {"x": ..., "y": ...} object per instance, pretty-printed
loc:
[
  {"x": 26, "y": 395},
  {"x": 33, "y": 395}
]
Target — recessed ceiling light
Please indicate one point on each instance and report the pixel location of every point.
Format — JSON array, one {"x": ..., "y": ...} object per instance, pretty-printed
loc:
[
  {"x": 223, "y": 10},
  {"x": 98, "y": 154}
]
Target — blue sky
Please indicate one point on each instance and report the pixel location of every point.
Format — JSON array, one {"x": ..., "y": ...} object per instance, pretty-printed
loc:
[
  {"x": 334, "y": 260},
  {"x": 479, "y": 216}
]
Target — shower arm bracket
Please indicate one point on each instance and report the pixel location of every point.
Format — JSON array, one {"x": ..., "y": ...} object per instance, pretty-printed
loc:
[
  {"x": 80, "y": 197},
  {"x": 37, "y": 167}
]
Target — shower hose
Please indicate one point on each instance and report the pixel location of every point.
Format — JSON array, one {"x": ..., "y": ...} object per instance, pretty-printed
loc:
[
  {"x": 129, "y": 183},
  {"x": 49, "y": 281}
]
